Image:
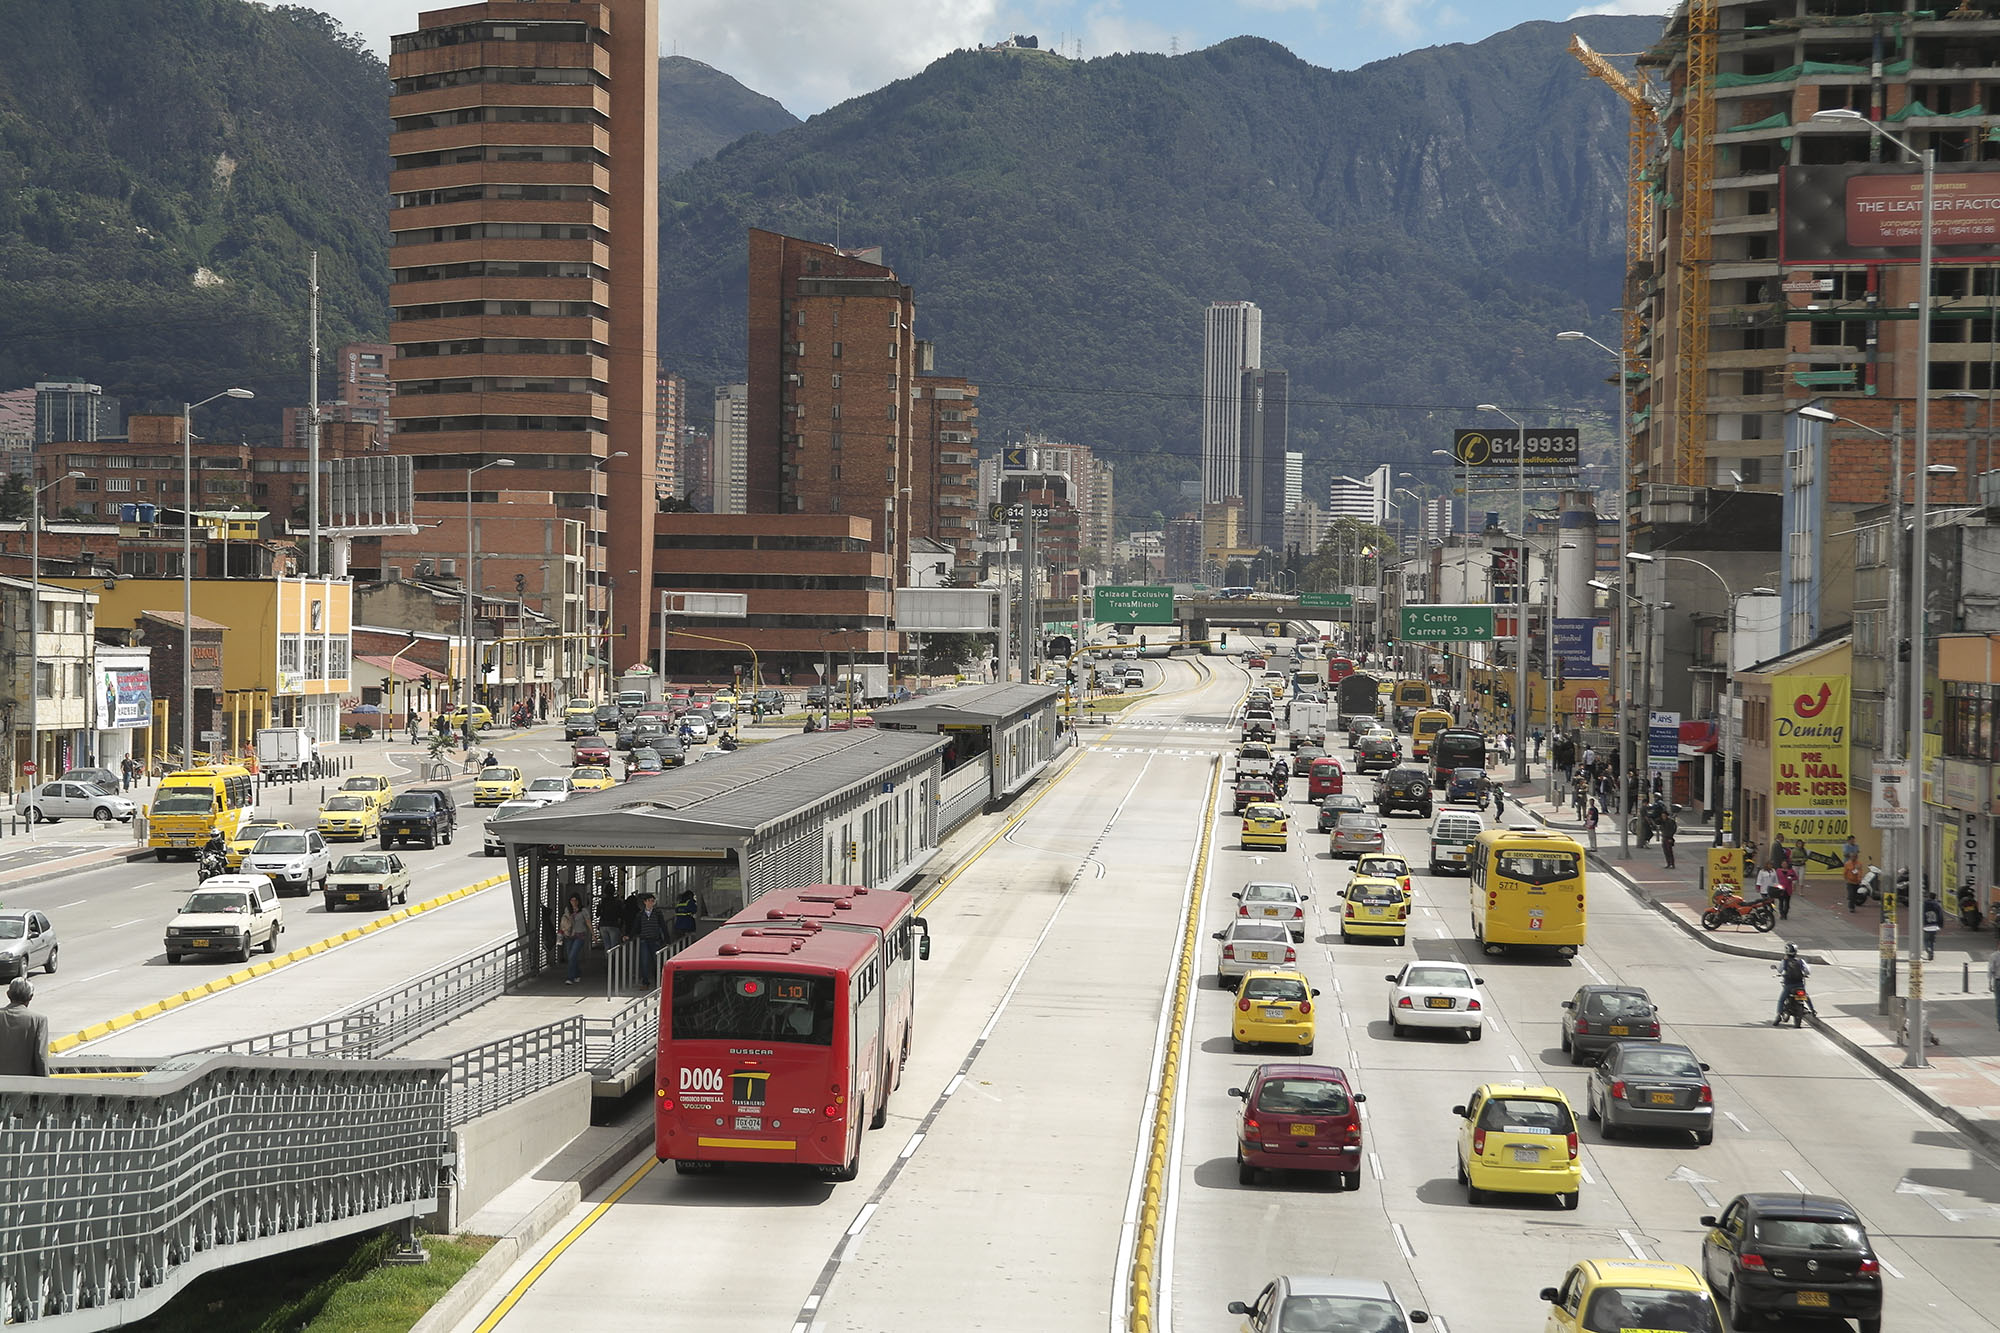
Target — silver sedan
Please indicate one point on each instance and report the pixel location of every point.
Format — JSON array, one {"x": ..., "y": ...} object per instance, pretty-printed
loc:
[{"x": 73, "y": 800}]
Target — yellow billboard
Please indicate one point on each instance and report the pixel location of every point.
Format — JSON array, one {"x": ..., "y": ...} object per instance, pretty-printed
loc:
[{"x": 1810, "y": 729}]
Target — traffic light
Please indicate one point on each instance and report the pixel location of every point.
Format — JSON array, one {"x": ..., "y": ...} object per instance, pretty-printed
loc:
[
  {"x": 1224, "y": 641},
  {"x": 1142, "y": 641},
  {"x": 1559, "y": 671}
]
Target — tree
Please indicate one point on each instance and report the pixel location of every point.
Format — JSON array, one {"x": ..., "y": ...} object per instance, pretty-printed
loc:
[
  {"x": 14, "y": 499},
  {"x": 1349, "y": 555}
]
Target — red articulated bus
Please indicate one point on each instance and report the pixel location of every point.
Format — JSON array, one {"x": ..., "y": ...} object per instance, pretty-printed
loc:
[{"x": 784, "y": 1030}]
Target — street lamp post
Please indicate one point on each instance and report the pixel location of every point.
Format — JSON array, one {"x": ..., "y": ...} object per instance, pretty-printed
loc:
[
  {"x": 1520, "y": 587},
  {"x": 187, "y": 567},
  {"x": 1913, "y": 1057},
  {"x": 35, "y": 621},
  {"x": 1624, "y": 546},
  {"x": 467, "y": 582}
]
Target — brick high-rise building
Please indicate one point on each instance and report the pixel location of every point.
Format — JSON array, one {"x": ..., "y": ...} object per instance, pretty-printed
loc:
[
  {"x": 832, "y": 356},
  {"x": 360, "y": 392},
  {"x": 945, "y": 440},
  {"x": 524, "y": 223}
]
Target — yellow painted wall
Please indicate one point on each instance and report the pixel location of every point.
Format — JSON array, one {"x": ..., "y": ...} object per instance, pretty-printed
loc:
[{"x": 253, "y": 614}]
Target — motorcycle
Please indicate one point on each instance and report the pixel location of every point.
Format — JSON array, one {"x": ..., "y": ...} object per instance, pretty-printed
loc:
[
  {"x": 1866, "y": 889},
  {"x": 1731, "y": 909},
  {"x": 212, "y": 862},
  {"x": 728, "y": 742},
  {"x": 1797, "y": 1006}
]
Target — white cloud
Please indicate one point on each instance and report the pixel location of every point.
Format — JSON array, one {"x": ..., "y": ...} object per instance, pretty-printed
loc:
[{"x": 813, "y": 56}]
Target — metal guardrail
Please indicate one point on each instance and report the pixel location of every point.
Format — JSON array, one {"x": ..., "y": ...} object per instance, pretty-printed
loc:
[
  {"x": 488, "y": 1077},
  {"x": 344, "y": 1037},
  {"x": 120, "y": 1191},
  {"x": 613, "y": 1045},
  {"x": 405, "y": 1013}
]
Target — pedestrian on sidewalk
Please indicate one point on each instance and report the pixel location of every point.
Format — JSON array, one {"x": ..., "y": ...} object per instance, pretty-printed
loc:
[
  {"x": 1933, "y": 923},
  {"x": 573, "y": 930},
  {"x": 1537, "y": 751},
  {"x": 1767, "y": 883},
  {"x": 1667, "y": 832},
  {"x": 653, "y": 931},
  {"x": 24, "y": 1036},
  {"x": 1787, "y": 881},
  {"x": 1590, "y": 824}
]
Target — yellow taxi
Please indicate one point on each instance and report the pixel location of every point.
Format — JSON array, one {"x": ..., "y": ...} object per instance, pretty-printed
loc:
[
  {"x": 591, "y": 777},
  {"x": 1274, "y": 1007},
  {"x": 1517, "y": 1139},
  {"x": 1264, "y": 825},
  {"x": 1631, "y": 1293},
  {"x": 496, "y": 784},
  {"x": 1374, "y": 908},
  {"x": 482, "y": 716},
  {"x": 245, "y": 838},
  {"x": 1385, "y": 865},
  {"x": 349, "y": 815},
  {"x": 373, "y": 786}
]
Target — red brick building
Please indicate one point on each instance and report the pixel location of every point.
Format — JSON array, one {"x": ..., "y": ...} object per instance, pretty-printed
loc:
[{"x": 524, "y": 227}]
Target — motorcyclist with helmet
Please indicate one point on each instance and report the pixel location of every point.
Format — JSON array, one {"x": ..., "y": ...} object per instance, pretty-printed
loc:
[
  {"x": 1792, "y": 974},
  {"x": 213, "y": 858}
]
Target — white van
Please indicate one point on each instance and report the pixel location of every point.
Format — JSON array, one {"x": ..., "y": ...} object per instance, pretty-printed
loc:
[{"x": 1453, "y": 831}]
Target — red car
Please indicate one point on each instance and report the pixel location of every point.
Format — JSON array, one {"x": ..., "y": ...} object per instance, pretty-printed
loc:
[
  {"x": 1250, "y": 790},
  {"x": 591, "y": 752},
  {"x": 1325, "y": 777},
  {"x": 1299, "y": 1118},
  {"x": 1255, "y": 663}
]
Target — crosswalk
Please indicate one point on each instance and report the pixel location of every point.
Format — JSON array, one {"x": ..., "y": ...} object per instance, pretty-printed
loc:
[{"x": 1158, "y": 750}]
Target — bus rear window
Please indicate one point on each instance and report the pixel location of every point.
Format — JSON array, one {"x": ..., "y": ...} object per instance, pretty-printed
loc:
[
  {"x": 1539, "y": 867},
  {"x": 752, "y": 1006}
]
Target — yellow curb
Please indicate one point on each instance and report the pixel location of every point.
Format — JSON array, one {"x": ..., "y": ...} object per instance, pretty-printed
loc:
[{"x": 216, "y": 985}]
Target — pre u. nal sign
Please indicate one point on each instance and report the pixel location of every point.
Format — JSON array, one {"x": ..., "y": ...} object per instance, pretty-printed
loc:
[{"x": 1551, "y": 446}]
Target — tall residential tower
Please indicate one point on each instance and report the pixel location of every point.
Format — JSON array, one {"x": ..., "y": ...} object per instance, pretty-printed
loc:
[{"x": 1232, "y": 341}]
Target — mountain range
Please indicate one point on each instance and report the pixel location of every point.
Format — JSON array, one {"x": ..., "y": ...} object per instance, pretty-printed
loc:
[{"x": 1416, "y": 230}]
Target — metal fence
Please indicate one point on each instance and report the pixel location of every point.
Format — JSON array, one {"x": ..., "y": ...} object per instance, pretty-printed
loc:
[
  {"x": 963, "y": 792},
  {"x": 488, "y": 1077},
  {"x": 614, "y": 1044},
  {"x": 118, "y": 1192},
  {"x": 407, "y": 1012}
]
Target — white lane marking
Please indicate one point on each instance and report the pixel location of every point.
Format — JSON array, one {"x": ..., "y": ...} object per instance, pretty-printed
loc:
[
  {"x": 1336, "y": 980},
  {"x": 1515, "y": 1061},
  {"x": 1593, "y": 971},
  {"x": 1632, "y": 1244},
  {"x": 133, "y": 922},
  {"x": 78, "y": 981},
  {"x": 1403, "y": 1242},
  {"x": 1699, "y": 1183},
  {"x": 61, "y": 906},
  {"x": 1888, "y": 1268},
  {"x": 143, "y": 884},
  {"x": 1732, "y": 1118},
  {"x": 1375, "y": 1166},
  {"x": 911, "y": 1146},
  {"x": 1440, "y": 932},
  {"x": 1588, "y": 1179},
  {"x": 1797, "y": 1184},
  {"x": 952, "y": 1086},
  {"x": 861, "y": 1220},
  {"x": 812, "y": 1302},
  {"x": 1343, "y": 1021}
]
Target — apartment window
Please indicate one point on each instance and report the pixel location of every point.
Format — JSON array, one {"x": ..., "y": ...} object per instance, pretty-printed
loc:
[
  {"x": 118, "y": 483},
  {"x": 86, "y": 483},
  {"x": 835, "y": 474},
  {"x": 79, "y": 681},
  {"x": 45, "y": 680},
  {"x": 835, "y": 411},
  {"x": 892, "y": 411},
  {"x": 315, "y": 665},
  {"x": 288, "y": 652},
  {"x": 836, "y": 379},
  {"x": 892, "y": 351},
  {"x": 337, "y": 659},
  {"x": 1752, "y": 470},
  {"x": 836, "y": 349},
  {"x": 836, "y": 439}
]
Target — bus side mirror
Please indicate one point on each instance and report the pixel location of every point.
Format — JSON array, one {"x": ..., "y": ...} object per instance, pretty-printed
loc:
[{"x": 923, "y": 938}]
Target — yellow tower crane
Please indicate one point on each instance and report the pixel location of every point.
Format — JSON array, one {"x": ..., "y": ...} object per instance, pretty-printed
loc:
[{"x": 1697, "y": 211}]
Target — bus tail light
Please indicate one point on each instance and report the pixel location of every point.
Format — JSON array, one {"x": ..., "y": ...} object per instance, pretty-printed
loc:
[
  {"x": 1492, "y": 899},
  {"x": 832, "y": 1111},
  {"x": 666, "y": 1102}
]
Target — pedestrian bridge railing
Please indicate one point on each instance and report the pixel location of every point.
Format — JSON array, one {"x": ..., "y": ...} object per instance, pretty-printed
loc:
[{"x": 120, "y": 1190}]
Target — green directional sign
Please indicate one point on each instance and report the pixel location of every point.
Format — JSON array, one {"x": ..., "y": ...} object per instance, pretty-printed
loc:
[
  {"x": 1326, "y": 599},
  {"x": 1447, "y": 622},
  {"x": 1133, "y": 604}
]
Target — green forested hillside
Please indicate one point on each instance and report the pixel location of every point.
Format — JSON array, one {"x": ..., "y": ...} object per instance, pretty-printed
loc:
[
  {"x": 1416, "y": 232},
  {"x": 164, "y": 169},
  {"x": 702, "y": 109}
]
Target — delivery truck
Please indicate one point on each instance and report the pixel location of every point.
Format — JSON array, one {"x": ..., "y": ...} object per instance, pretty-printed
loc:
[{"x": 285, "y": 753}]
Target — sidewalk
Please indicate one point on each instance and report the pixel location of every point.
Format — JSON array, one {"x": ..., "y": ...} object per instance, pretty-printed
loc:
[{"x": 1961, "y": 1082}]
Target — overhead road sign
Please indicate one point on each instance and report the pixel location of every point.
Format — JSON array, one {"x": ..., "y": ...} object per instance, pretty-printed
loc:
[
  {"x": 1435, "y": 623},
  {"x": 1132, "y": 604},
  {"x": 1326, "y": 599},
  {"x": 1548, "y": 446}
]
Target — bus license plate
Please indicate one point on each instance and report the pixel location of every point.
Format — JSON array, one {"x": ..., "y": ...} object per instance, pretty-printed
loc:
[
  {"x": 749, "y": 1122},
  {"x": 1818, "y": 1298}
]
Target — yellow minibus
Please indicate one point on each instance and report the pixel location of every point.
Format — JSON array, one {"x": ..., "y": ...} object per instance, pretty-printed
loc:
[
  {"x": 1527, "y": 890},
  {"x": 195, "y": 804}
]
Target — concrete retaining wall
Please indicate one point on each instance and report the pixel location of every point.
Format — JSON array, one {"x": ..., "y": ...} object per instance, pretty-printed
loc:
[{"x": 499, "y": 1148}]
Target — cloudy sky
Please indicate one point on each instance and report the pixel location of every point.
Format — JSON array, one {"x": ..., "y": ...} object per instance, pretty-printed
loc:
[{"x": 812, "y": 54}]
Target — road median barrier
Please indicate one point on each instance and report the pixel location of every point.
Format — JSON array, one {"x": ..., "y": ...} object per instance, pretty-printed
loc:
[{"x": 217, "y": 985}]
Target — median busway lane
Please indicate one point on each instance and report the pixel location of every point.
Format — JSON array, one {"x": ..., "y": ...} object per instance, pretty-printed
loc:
[
  {"x": 1642, "y": 1194},
  {"x": 987, "y": 921}
]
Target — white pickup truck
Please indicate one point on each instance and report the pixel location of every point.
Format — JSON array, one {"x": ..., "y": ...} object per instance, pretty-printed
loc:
[{"x": 1253, "y": 761}]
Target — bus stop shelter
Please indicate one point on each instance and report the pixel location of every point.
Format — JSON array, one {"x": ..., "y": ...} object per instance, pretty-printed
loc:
[
  {"x": 1009, "y": 732},
  {"x": 840, "y": 807}
]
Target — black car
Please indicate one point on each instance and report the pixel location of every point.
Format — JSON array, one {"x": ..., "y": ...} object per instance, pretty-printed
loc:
[
  {"x": 1651, "y": 1085},
  {"x": 422, "y": 814},
  {"x": 1598, "y": 1016},
  {"x": 1377, "y": 750},
  {"x": 818, "y": 695},
  {"x": 1333, "y": 807},
  {"x": 1403, "y": 789},
  {"x": 1796, "y": 1254},
  {"x": 607, "y": 716}
]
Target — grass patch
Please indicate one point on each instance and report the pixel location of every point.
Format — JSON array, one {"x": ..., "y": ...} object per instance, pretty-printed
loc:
[
  {"x": 339, "y": 1287},
  {"x": 1116, "y": 703}
]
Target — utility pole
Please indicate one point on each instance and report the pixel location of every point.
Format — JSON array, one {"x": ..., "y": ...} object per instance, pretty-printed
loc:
[{"x": 312, "y": 426}]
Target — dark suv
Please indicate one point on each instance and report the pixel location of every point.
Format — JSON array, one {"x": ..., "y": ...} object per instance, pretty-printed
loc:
[
  {"x": 422, "y": 814},
  {"x": 1403, "y": 789},
  {"x": 1377, "y": 750},
  {"x": 1796, "y": 1253}
]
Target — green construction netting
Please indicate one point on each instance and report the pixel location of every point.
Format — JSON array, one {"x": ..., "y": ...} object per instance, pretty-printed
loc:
[
  {"x": 1777, "y": 122},
  {"x": 1802, "y": 70},
  {"x": 1823, "y": 379},
  {"x": 1675, "y": 141},
  {"x": 1641, "y": 417},
  {"x": 1913, "y": 109}
]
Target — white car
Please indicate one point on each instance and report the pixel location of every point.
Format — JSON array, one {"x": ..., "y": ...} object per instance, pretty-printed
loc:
[
  {"x": 1274, "y": 901},
  {"x": 1249, "y": 945},
  {"x": 1129, "y": 655},
  {"x": 295, "y": 859},
  {"x": 73, "y": 800},
  {"x": 363, "y": 879},
  {"x": 1431, "y": 993},
  {"x": 547, "y": 791},
  {"x": 493, "y": 845},
  {"x": 228, "y": 914},
  {"x": 693, "y": 729}
]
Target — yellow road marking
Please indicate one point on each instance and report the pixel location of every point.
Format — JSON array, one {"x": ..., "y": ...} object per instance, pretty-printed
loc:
[{"x": 533, "y": 1275}]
